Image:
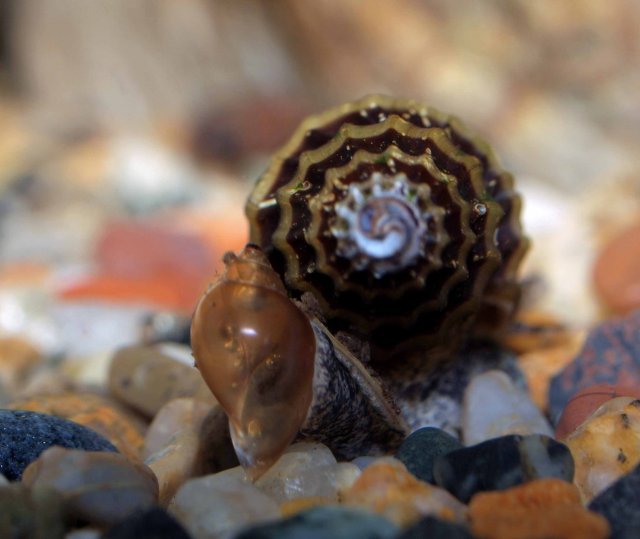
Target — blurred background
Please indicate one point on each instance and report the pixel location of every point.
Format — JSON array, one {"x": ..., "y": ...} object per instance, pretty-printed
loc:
[{"x": 131, "y": 133}]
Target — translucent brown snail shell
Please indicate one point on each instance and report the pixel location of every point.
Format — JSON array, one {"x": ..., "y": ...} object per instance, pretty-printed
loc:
[
  {"x": 278, "y": 373},
  {"x": 398, "y": 220}
]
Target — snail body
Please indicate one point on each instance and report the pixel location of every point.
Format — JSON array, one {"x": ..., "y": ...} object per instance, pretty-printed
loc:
[{"x": 397, "y": 220}]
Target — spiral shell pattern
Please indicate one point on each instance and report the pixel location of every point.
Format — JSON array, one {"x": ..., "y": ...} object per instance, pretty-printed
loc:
[{"x": 397, "y": 219}]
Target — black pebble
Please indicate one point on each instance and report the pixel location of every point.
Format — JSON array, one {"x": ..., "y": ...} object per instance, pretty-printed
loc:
[
  {"x": 434, "y": 528},
  {"x": 154, "y": 523},
  {"x": 24, "y": 435},
  {"x": 620, "y": 505},
  {"x": 331, "y": 522},
  {"x": 421, "y": 448},
  {"x": 501, "y": 463}
]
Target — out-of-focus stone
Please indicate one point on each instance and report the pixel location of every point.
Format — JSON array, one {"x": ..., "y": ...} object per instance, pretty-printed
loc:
[
  {"x": 536, "y": 510},
  {"x": 25, "y": 435},
  {"x": 97, "y": 487},
  {"x": 297, "y": 505},
  {"x": 147, "y": 377},
  {"x": 494, "y": 407},
  {"x": 435, "y": 528},
  {"x": 30, "y": 513},
  {"x": 154, "y": 523},
  {"x": 620, "y": 505},
  {"x": 173, "y": 416},
  {"x": 533, "y": 330},
  {"x": 501, "y": 463},
  {"x": 421, "y": 448},
  {"x": 587, "y": 401},
  {"x": 606, "y": 446},
  {"x": 610, "y": 355},
  {"x": 616, "y": 272},
  {"x": 307, "y": 469},
  {"x": 96, "y": 412},
  {"x": 17, "y": 357},
  {"x": 219, "y": 504},
  {"x": 387, "y": 488},
  {"x": 332, "y": 521},
  {"x": 84, "y": 533},
  {"x": 177, "y": 462}
]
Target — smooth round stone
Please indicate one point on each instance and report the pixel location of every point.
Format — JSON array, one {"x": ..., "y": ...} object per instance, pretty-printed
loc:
[
  {"x": 173, "y": 416},
  {"x": 587, "y": 401},
  {"x": 620, "y": 505},
  {"x": 17, "y": 357},
  {"x": 96, "y": 487},
  {"x": 611, "y": 355},
  {"x": 322, "y": 522},
  {"x": 218, "y": 505},
  {"x": 616, "y": 272},
  {"x": 606, "y": 446},
  {"x": 493, "y": 406},
  {"x": 25, "y": 435},
  {"x": 153, "y": 523},
  {"x": 421, "y": 448},
  {"x": 435, "y": 528},
  {"x": 30, "y": 513},
  {"x": 501, "y": 463},
  {"x": 147, "y": 377}
]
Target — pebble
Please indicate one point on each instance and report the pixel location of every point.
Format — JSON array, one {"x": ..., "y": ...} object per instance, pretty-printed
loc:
[
  {"x": 387, "y": 488},
  {"x": 493, "y": 406},
  {"x": 435, "y": 528},
  {"x": 587, "y": 401},
  {"x": 307, "y": 469},
  {"x": 606, "y": 446},
  {"x": 616, "y": 272},
  {"x": 101, "y": 414},
  {"x": 172, "y": 417},
  {"x": 439, "y": 402},
  {"x": 25, "y": 435},
  {"x": 219, "y": 504},
  {"x": 620, "y": 505},
  {"x": 147, "y": 377},
  {"x": 152, "y": 523},
  {"x": 501, "y": 463},
  {"x": 297, "y": 505},
  {"x": 97, "y": 487},
  {"x": 18, "y": 357},
  {"x": 539, "y": 509},
  {"x": 320, "y": 522},
  {"x": 611, "y": 355},
  {"x": 420, "y": 449},
  {"x": 30, "y": 513}
]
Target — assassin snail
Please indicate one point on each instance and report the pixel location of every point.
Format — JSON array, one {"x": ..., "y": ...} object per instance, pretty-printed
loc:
[{"x": 398, "y": 221}]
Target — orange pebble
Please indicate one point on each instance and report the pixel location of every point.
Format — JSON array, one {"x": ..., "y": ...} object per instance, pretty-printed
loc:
[
  {"x": 291, "y": 507},
  {"x": 536, "y": 510}
]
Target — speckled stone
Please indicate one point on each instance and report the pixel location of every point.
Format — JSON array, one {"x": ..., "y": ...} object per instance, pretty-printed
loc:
[
  {"x": 25, "y": 435},
  {"x": 438, "y": 402},
  {"x": 620, "y": 505},
  {"x": 611, "y": 355},
  {"x": 321, "y": 522},
  {"x": 539, "y": 509},
  {"x": 493, "y": 406},
  {"x": 147, "y": 377},
  {"x": 501, "y": 463},
  {"x": 421, "y": 448},
  {"x": 153, "y": 523},
  {"x": 100, "y": 488},
  {"x": 387, "y": 488},
  {"x": 435, "y": 528},
  {"x": 30, "y": 513},
  {"x": 606, "y": 446}
]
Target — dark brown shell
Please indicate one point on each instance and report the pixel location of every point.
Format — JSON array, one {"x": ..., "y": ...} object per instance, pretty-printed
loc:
[{"x": 386, "y": 170}]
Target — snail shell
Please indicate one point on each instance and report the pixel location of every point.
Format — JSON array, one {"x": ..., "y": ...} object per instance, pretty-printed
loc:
[
  {"x": 399, "y": 222},
  {"x": 277, "y": 373}
]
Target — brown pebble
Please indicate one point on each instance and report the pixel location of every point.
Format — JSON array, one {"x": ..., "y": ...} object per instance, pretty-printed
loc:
[
  {"x": 617, "y": 271},
  {"x": 539, "y": 509}
]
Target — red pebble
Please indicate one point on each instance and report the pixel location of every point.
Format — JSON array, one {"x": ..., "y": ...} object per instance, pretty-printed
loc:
[{"x": 587, "y": 401}]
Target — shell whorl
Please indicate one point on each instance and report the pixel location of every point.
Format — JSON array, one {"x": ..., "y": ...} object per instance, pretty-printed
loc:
[{"x": 397, "y": 219}]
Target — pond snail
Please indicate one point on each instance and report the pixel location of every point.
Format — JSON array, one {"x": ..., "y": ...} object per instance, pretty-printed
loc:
[
  {"x": 397, "y": 220},
  {"x": 404, "y": 230}
]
